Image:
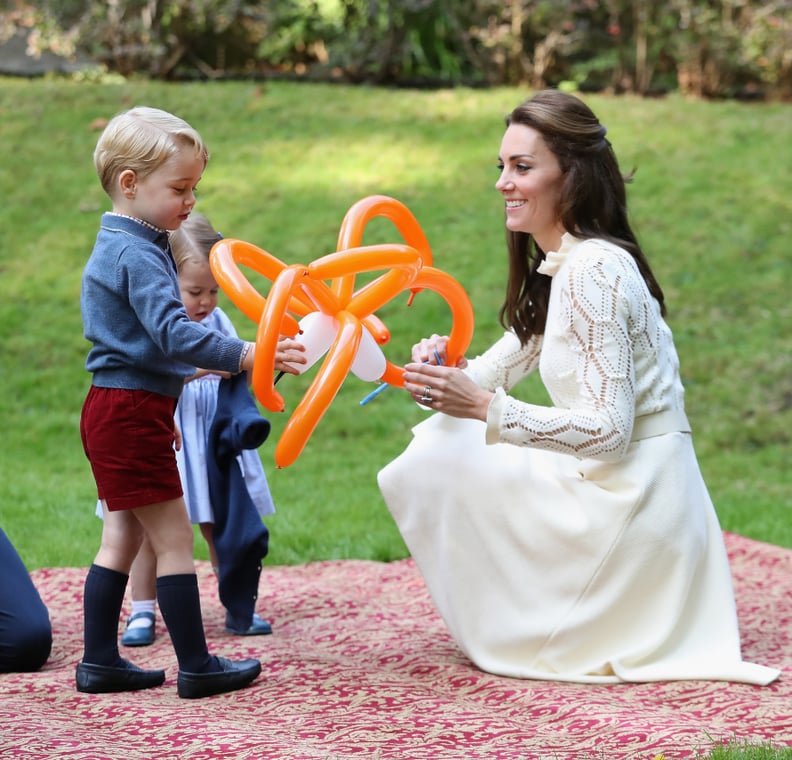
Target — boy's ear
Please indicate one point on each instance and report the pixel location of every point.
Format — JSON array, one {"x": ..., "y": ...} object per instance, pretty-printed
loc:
[{"x": 127, "y": 182}]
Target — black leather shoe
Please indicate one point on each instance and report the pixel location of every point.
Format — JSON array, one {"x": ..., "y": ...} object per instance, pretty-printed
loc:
[
  {"x": 140, "y": 636},
  {"x": 233, "y": 676},
  {"x": 258, "y": 627},
  {"x": 102, "y": 679}
]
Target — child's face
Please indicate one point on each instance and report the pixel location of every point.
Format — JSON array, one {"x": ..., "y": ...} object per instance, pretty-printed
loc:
[
  {"x": 198, "y": 289},
  {"x": 166, "y": 197}
]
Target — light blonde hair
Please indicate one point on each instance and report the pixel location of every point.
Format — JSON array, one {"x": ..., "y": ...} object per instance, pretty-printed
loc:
[
  {"x": 142, "y": 139},
  {"x": 193, "y": 241}
]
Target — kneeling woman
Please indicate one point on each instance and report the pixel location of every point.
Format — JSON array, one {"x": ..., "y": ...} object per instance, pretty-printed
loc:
[{"x": 573, "y": 542}]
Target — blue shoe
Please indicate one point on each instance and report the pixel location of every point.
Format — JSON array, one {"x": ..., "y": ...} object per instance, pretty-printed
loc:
[
  {"x": 140, "y": 636},
  {"x": 259, "y": 626}
]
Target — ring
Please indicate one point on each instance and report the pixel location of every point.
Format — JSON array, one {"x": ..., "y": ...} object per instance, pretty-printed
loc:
[
  {"x": 427, "y": 391},
  {"x": 426, "y": 399}
]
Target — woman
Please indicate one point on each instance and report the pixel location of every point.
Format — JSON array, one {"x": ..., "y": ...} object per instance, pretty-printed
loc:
[{"x": 574, "y": 542}]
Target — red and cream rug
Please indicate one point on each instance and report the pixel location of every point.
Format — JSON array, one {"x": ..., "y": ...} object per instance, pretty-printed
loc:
[{"x": 361, "y": 666}]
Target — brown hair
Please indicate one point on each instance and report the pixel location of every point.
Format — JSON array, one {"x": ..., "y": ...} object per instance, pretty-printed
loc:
[
  {"x": 593, "y": 204},
  {"x": 193, "y": 241}
]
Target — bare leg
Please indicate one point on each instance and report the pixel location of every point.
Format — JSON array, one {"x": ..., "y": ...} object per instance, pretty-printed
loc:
[
  {"x": 141, "y": 625},
  {"x": 143, "y": 575},
  {"x": 102, "y": 668},
  {"x": 171, "y": 539},
  {"x": 170, "y": 535},
  {"x": 207, "y": 531},
  {"x": 122, "y": 536}
]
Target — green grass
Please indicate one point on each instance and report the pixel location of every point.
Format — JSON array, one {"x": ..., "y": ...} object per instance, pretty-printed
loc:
[
  {"x": 712, "y": 202},
  {"x": 744, "y": 750}
]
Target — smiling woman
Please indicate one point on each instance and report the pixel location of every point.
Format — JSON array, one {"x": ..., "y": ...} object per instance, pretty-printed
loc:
[
  {"x": 531, "y": 181},
  {"x": 574, "y": 541}
]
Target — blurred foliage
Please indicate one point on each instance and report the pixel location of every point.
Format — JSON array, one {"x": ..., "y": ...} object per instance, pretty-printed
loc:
[{"x": 706, "y": 48}]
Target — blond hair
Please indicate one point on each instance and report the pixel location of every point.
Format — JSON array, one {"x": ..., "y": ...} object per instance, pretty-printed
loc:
[
  {"x": 142, "y": 139},
  {"x": 193, "y": 240}
]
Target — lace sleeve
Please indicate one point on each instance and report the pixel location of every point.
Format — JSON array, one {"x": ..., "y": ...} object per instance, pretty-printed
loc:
[
  {"x": 588, "y": 365},
  {"x": 505, "y": 363}
]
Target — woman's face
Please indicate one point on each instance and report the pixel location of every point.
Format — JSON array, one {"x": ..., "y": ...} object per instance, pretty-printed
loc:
[{"x": 530, "y": 182}]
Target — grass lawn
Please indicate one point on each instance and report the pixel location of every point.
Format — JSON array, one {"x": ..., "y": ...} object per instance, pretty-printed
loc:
[{"x": 712, "y": 202}]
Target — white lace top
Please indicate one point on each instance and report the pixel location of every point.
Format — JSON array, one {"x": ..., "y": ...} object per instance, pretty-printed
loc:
[
  {"x": 575, "y": 542},
  {"x": 607, "y": 357}
]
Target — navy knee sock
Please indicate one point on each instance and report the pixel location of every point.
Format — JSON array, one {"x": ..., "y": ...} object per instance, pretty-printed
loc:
[
  {"x": 103, "y": 598},
  {"x": 180, "y": 605}
]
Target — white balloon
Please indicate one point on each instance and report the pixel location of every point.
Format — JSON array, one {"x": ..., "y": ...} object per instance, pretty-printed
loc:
[
  {"x": 317, "y": 333},
  {"x": 369, "y": 362}
]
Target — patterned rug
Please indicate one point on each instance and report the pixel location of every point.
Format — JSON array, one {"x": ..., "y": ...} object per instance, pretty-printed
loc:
[{"x": 361, "y": 666}]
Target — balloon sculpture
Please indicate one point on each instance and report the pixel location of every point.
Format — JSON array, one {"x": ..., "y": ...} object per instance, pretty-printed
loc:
[{"x": 336, "y": 319}]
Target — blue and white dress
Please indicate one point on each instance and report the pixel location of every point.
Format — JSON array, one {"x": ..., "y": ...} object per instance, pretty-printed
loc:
[{"x": 194, "y": 415}]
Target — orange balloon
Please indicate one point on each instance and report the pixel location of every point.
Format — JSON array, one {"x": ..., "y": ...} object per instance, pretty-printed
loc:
[
  {"x": 224, "y": 259},
  {"x": 327, "y": 285},
  {"x": 267, "y": 340},
  {"x": 377, "y": 328},
  {"x": 321, "y": 392},
  {"x": 404, "y": 260},
  {"x": 361, "y": 213},
  {"x": 462, "y": 319}
]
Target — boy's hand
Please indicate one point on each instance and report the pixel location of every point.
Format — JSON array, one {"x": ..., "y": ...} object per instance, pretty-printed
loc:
[
  {"x": 204, "y": 372},
  {"x": 288, "y": 353}
]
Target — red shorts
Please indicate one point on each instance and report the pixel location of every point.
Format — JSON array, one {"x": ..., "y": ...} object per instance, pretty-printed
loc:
[{"x": 128, "y": 439}]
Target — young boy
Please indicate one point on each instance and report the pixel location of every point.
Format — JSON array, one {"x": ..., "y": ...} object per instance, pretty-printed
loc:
[{"x": 144, "y": 345}]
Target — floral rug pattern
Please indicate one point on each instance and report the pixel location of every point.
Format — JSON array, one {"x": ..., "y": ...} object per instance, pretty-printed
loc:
[{"x": 361, "y": 666}]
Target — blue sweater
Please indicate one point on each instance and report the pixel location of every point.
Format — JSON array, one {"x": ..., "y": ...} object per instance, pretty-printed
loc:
[{"x": 133, "y": 315}]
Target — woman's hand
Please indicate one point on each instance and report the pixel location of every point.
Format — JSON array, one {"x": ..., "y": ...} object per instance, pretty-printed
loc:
[
  {"x": 446, "y": 389},
  {"x": 434, "y": 350}
]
